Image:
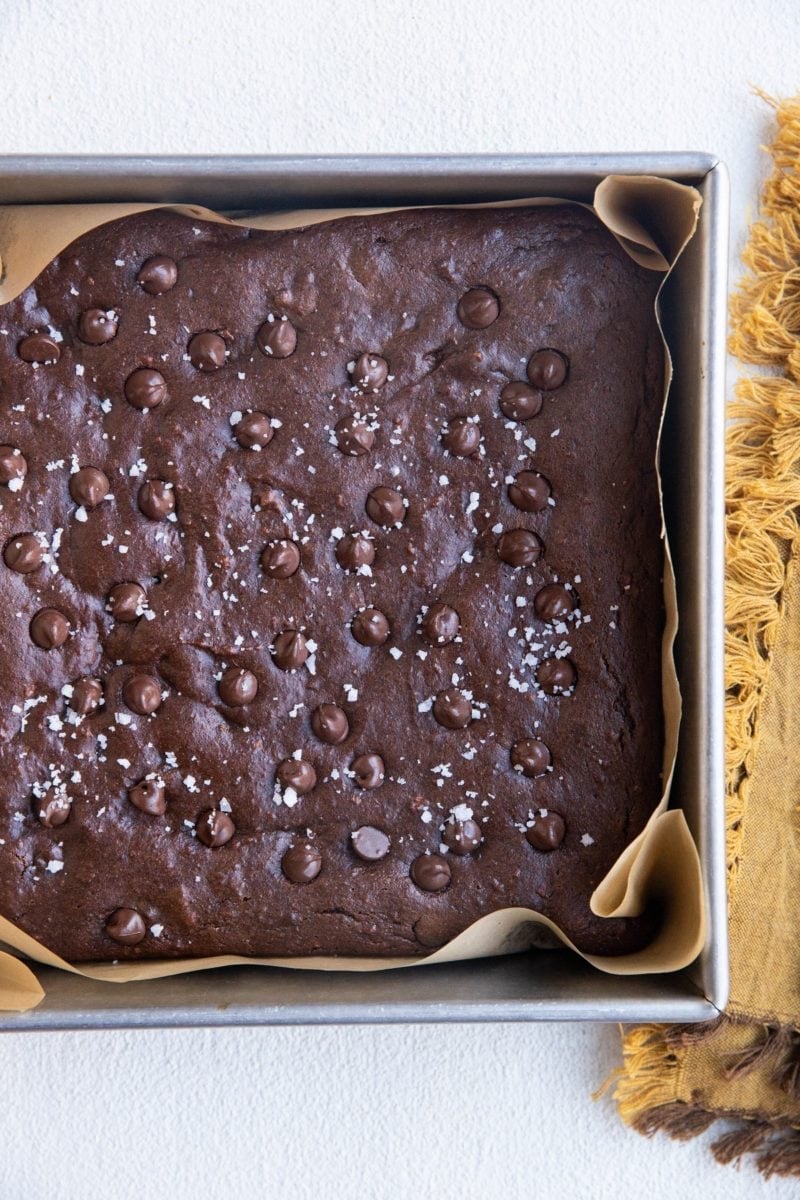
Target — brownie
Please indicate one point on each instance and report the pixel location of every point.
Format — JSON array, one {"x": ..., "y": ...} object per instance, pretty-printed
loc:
[{"x": 331, "y": 583}]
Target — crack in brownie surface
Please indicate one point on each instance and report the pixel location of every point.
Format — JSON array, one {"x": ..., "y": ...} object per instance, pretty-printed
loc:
[{"x": 331, "y": 587}]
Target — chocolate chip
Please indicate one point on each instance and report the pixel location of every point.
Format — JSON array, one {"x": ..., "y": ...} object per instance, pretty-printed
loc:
[
  {"x": 158, "y": 274},
  {"x": 368, "y": 771},
  {"x": 207, "y": 351},
  {"x": 431, "y": 872},
  {"x": 440, "y": 624},
  {"x": 237, "y": 687},
  {"x": 547, "y": 369},
  {"x": 529, "y": 492},
  {"x": 353, "y": 436},
  {"x": 546, "y": 832},
  {"x": 298, "y": 774},
  {"x": 530, "y": 757},
  {"x": 330, "y": 724},
  {"x": 214, "y": 828},
  {"x": 13, "y": 466},
  {"x": 87, "y": 695},
  {"x": 462, "y": 437},
  {"x": 89, "y": 486},
  {"x": 127, "y": 601},
  {"x": 553, "y": 601},
  {"x": 39, "y": 348},
  {"x": 519, "y": 402},
  {"x": 157, "y": 499},
  {"x": 519, "y": 548},
  {"x": 96, "y": 326},
  {"x": 149, "y": 796},
  {"x": 556, "y": 676},
  {"x": 52, "y": 810},
  {"x": 126, "y": 926},
  {"x": 277, "y": 339},
  {"x": 290, "y": 650},
  {"x": 369, "y": 627},
  {"x": 145, "y": 388},
  {"x": 280, "y": 559},
  {"x": 355, "y": 550},
  {"x": 49, "y": 629},
  {"x": 386, "y": 507},
  {"x": 478, "y": 308},
  {"x": 23, "y": 553},
  {"x": 142, "y": 694},
  {"x": 462, "y": 837},
  {"x": 452, "y": 709},
  {"x": 370, "y": 844},
  {"x": 301, "y": 863},
  {"x": 254, "y": 431},
  {"x": 369, "y": 372}
]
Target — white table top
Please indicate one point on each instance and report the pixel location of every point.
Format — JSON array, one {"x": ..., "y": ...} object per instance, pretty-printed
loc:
[{"x": 459, "y": 1111}]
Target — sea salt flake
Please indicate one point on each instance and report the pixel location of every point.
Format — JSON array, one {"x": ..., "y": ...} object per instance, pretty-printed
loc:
[{"x": 54, "y": 866}]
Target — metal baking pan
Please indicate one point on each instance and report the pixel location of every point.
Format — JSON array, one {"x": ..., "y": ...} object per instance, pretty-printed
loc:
[{"x": 540, "y": 985}]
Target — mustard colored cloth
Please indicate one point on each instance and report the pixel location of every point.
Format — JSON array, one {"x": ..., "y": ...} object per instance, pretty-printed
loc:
[{"x": 745, "y": 1066}]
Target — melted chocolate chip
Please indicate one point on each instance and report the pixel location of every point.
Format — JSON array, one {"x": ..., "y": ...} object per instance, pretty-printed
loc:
[
  {"x": 52, "y": 810},
  {"x": 301, "y": 863},
  {"x": 277, "y": 339},
  {"x": 142, "y": 694},
  {"x": 157, "y": 499},
  {"x": 353, "y": 436},
  {"x": 214, "y": 828},
  {"x": 237, "y": 687},
  {"x": 207, "y": 351},
  {"x": 369, "y": 372},
  {"x": 87, "y": 695},
  {"x": 126, "y": 926},
  {"x": 462, "y": 437},
  {"x": 280, "y": 559},
  {"x": 23, "y": 553},
  {"x": 386, "y": 507},
  {"x": 478, "y": 308},
  {"x": 127, "y": 601},
  {"x": 519, "y": 402},
  {"x": 254, "y": 431},
  {"x": 462, "y": 837},
  {"x": 13, "y": 465},
  {"x": 519, "y": 548},
  {"x": 452, "y": 709},
  {"x": 368, "y": 771},
  {"x": 149, "y": 796},
  {"x": 158, "y": 275},
  {"x": 431, "y": 872},
  {"x": 370, "y": 627},
  {"x": 546, "y": 833},
  {"x": 355, "y": 550},
  {"x": 529, "y": 492},
  {"x": 556, "y": 676},
  {"x": 145, "y": 388},
  {"x": 298, "y": 774},
  {"x": 96, "y": 326},
  {"x": 547, "y": 369},
  {"x": 440, "y": 624},
  {"x": 89, "y": 486},
  {"x": 39, "y": 348},
  {"x": 553, "y": 601},
  {"x": 290, "y": 650},
  {"x": 49, "y": 629},
  {"x": 530, "y": 757},
  {"x": 370, "y": 844},
  {"x": 330, "y": 724}
]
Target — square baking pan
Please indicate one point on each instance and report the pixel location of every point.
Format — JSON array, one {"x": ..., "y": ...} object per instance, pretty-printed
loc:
[{"x": 538, "y": 985}]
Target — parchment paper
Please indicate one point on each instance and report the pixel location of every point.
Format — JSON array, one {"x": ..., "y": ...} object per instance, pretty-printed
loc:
[{"x": 653, "y": 220}]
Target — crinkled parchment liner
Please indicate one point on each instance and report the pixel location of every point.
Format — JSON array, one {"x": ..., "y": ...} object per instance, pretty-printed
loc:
[{"x": 652, "y": 219}]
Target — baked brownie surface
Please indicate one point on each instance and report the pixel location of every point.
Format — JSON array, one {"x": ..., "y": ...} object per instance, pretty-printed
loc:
[{"x": 309, "y": 646}]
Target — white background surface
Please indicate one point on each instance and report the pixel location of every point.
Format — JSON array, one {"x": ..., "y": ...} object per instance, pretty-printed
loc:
[{"x": 489, "y": 1112}]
